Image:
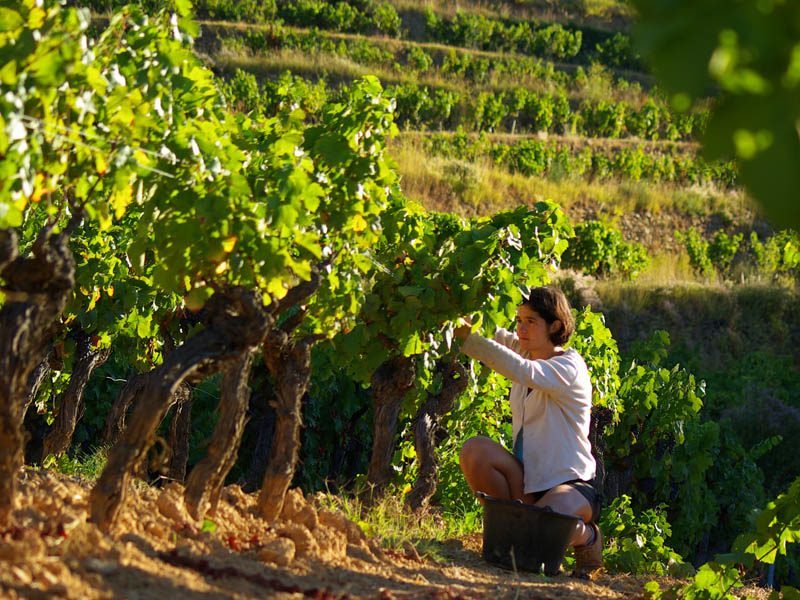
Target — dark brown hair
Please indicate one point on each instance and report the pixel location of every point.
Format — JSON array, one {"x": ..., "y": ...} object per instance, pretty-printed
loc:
[{"x": 552, "y": 305}]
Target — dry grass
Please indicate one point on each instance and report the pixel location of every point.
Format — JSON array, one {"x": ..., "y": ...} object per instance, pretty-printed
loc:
[
  {"x": 310, "y": 66},
  {"x": 637, "y": 297},
  {"x": 574, "y": 142},
  {"x": 482, "y": 187},
  {"x": 598, "y": 84},
  {"x": 669, "y": 269}
]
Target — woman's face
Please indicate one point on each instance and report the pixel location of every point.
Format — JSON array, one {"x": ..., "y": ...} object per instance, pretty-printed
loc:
[{"x": 532, "y": 330}]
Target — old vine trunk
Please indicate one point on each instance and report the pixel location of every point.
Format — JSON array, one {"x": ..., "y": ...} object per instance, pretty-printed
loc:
[
  {"x": 427, "y": 424},
  {"x": 87, "y": 359},
  {"x": 36, "y": 380},
  {"x": 390, "y": 382},
  {"x": 237, "y": 322},
  {"x": 115, "y": 419},
  {"x": 179, "y": 429},
  {"x": 290, "y": 366},
  {"x": 205, "y": 481},
  {"x": 36, "y": 290},
  {"x": 289, "y": 363}
]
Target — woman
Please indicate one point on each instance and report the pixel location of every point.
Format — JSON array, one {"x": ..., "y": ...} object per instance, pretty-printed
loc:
[{"x": 551, "y": 400}]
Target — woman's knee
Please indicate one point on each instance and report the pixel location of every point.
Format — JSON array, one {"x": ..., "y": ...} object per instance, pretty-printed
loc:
[
  {"x": 569, "y": 501},
  {"x": 473, "y": 450}
]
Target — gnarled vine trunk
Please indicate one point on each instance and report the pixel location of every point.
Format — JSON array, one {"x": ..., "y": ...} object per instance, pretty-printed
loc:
[
  {"x": 205, "y": 481},
  {"x": 426, "y": 425},
  {"x": 36, "y": 380},
  {"x": 390, "y": 382},
  {"x": 36, "y": 291},
  {"x": 261, "y": 425},
  {"x": 87, "y": 359},
  {"x": 34, "y": 424},
  {"x": 115, "y": 419},
  {"x": 180, "y": 428},
  {"x": 236, "y": 322},
  {"x": 290, "y": 365},
  {"x": 608, "y": 481}
]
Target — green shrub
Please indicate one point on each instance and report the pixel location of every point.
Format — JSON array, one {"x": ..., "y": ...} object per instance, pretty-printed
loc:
[
  {"x": 617, "y": 51},
  {"x": 386, "y": 20},
  {"x": 599, "y": 250},
  {"x": 697, "y": 249},
  {"x": 722, "y": 250},
  {"x": 637, "y": 543},
  {"x": 243, "y": 93},
  {"x": 778, "y": 256},
  {"x": 251, "y": 11},
  {"x": 418, "y": 59}
]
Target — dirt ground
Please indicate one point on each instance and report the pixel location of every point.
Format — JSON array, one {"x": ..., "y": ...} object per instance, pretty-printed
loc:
[{"x": 157, "y": 552}]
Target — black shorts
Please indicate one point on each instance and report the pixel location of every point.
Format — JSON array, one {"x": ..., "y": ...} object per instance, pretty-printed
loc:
[{"x": 587, "y": 491}]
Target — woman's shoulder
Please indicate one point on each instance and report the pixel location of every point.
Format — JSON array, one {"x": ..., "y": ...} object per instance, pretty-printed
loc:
[
  {"x": 573, "y": 356},
  {"x": 573, "y": 359}
]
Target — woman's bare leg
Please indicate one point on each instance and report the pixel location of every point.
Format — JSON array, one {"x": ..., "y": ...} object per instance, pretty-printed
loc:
[
  {"x": 567, "y": 500},
  {"x": 490, "y": 468}
]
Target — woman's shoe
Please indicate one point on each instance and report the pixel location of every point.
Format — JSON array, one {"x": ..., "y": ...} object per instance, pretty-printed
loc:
[{"x": 589, "y": 558}]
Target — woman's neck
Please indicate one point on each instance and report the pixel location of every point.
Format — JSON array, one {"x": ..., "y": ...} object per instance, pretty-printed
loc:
[{"x": 545, "y": 353}]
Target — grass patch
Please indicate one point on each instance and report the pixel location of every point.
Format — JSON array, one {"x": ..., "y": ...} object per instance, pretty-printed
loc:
[
  {"x": 87, "y": 465},
  {"x": 310, "y": 66},
  {"x": 667, "y": 269},
  {"x": 396, "y": 526}
]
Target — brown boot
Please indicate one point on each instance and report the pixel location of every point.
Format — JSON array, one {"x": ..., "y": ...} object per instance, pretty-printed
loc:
[{"x": 589, "y": 558}]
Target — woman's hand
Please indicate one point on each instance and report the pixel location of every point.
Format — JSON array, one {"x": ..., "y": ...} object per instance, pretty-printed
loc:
[{"x": 464, "y": 328}]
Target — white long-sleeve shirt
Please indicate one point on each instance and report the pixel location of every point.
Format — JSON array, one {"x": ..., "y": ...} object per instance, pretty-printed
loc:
[{"x": 554, "y": 416}]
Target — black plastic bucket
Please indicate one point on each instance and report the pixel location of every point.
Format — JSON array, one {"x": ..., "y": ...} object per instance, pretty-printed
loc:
[{"x": 523, "y": 536}]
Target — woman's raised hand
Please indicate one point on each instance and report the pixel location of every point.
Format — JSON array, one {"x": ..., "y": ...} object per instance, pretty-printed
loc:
[{"x": 463, "y": 328}]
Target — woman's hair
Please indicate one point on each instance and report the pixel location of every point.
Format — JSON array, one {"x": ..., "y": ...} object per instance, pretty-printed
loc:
[{"x": 552, "y": 305}]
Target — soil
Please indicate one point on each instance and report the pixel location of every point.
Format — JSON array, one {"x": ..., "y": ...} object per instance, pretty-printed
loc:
[{"x": 157, "y": 552}]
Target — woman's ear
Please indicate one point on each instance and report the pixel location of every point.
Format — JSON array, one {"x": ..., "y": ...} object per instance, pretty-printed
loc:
[{"x": 555, "y": 327}]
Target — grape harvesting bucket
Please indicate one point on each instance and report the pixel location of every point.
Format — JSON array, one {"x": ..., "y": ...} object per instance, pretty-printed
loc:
[{"x": 523, "y": 536}]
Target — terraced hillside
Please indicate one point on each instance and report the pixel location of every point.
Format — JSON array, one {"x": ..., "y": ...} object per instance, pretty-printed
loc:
[
  {"x": 496, "y": 110},
  {"x": 506, "y": 103}
]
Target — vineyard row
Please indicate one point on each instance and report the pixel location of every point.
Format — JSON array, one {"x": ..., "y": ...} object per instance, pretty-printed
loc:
[
  {"x": 415, "y": 60},
  {"x": 553, "y": 41},
  {"x": 516, "y": 111}
]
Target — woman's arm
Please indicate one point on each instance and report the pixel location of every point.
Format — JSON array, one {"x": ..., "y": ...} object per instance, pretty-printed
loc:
[
  {"x": 501, "y": 336},
  {"x": 554, "y": 375}
]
